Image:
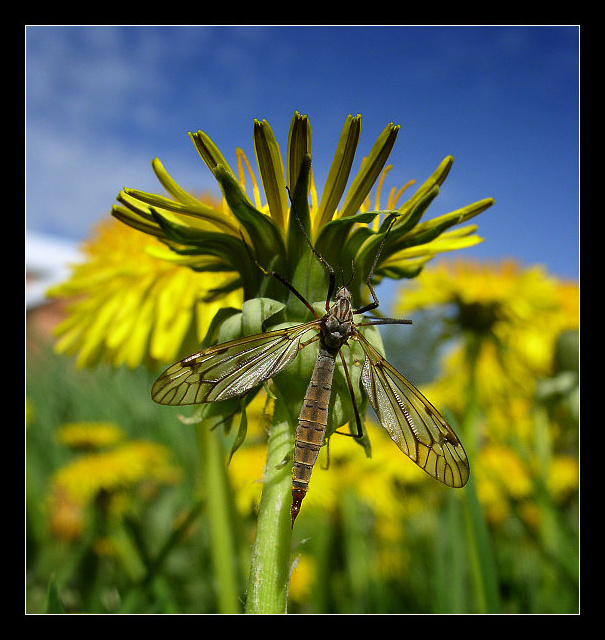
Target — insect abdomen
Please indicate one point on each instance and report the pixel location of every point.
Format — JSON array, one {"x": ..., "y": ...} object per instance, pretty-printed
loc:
[{"x": 312, "y": 423}]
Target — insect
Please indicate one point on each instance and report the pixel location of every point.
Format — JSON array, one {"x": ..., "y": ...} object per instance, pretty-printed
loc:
[{"x": 233, "y": 368}]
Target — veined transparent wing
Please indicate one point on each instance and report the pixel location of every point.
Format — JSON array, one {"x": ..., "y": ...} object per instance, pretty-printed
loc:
[
  {"x": 412, "y": 421},
  {"x": 230, "y": 369}
]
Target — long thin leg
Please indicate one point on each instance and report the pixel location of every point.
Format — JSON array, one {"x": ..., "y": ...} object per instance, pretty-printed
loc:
[
  {"x": 281, "y": 279},
  {"x": 318, "y": 255},
  {"x": 375, "y": 304},
  {"x": 359, "y": 433},
  {"x": 376, "y": 321}
]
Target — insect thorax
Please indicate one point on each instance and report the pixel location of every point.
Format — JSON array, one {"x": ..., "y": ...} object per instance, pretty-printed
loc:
[{"x": 338, "y": 322}]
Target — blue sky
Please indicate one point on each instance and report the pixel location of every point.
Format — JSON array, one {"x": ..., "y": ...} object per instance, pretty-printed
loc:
[{"x": 101, "y": 102}]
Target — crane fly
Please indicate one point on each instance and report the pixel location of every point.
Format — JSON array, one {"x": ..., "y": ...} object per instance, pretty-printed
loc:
[{"x": 233, "y": 368}]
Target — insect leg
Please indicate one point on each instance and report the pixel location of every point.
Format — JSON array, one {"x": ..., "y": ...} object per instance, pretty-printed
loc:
[
  {"x": 359, "y": 433},
  {"x": 318, "y": 255},
  {"x": 281, "y": 279},
  {"x": 375, "y": 303},
  {"x": 376, "y": 321}
]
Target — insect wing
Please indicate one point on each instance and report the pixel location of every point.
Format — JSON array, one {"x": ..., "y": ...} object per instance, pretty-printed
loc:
[
  {"x": 412, "y": 421},
  {"x": 230, "y": 369}
]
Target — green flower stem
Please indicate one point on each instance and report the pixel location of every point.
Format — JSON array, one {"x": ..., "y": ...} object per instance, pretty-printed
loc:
[
  {"x": 270, "y": 566},
  {"x": 220, "y": 517},
  {"x": 480, "y": 553}
]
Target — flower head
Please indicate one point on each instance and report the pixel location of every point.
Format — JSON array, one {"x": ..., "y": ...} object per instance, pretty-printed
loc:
[
  {"x": 340, "y": 224},
  {"x": 515, "y": 313},
  {"x": 152, "y": 296}
]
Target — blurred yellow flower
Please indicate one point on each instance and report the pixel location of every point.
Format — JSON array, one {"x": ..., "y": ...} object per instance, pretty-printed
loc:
[
  {"x": 498, "y": 296},
  {"x": 66, "y": 517},
  {"x": 517, "y": 313},
  {"x": 563, "y": 476},
  {"x": 122, "y": 467},
  {"x": 129, "y": 305},
  {"x": 301, "y": 579},
  {"x": 501, "y": 475},
  {"x": 508, "y": 320},
  {"x": 108, "y": 472},
  {"x": 89, "y": 435}
]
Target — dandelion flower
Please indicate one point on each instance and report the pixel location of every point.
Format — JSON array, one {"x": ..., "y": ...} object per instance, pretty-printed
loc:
[{"x": 129, "y": 305}]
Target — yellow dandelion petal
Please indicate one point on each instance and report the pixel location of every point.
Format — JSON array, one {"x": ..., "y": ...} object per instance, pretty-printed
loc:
[
  {"x": 113, "y": 470},
  {"x": 241, "y": 156},
  {"x": 130, "y": 304}
]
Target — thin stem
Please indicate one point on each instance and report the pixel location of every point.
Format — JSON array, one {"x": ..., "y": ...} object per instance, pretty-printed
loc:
[
  {"x": 270, "y": 567},
  {"x": 480, "y": 553},
  {"x": 220, "y": 517}
]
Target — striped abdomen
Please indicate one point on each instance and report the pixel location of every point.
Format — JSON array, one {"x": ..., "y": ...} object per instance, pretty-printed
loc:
[{"x": 312, "y": 423}]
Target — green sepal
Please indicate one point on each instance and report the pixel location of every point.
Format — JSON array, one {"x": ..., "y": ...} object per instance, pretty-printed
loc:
[
  {"x": 397, "y": 234},
  {"x": 415, "y": 213},
  {"x": 435, "y": 179},
  {"x": 456, "y": 217},
  {"x": 398, "y": 271},
  {"x": 220, "y": 317},
  {"x": 134, "y": 205},
  {"x": 172, "y": 187},
  {"x": 257, "y": 315},
  {"x": 264, "y": 234},
  {"x": 218, "y": 292},
  {"x": 335, "y": 234},
  {"x": 229, "y": 249},
  {"x": 298, "y": 246}
]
